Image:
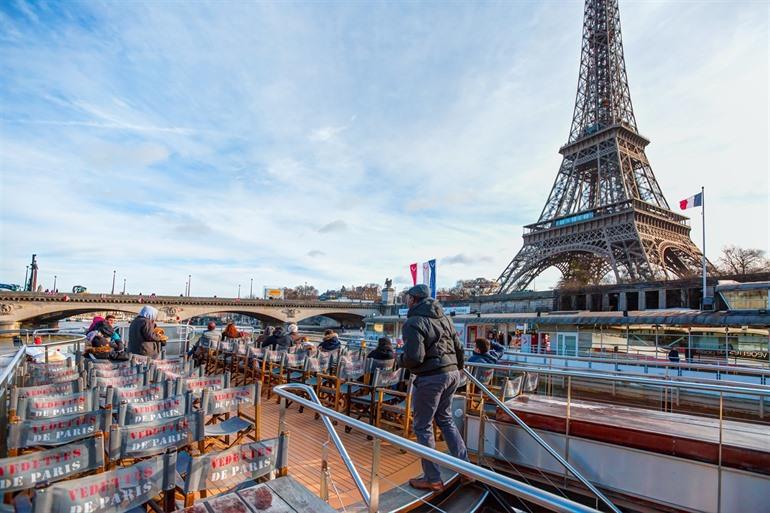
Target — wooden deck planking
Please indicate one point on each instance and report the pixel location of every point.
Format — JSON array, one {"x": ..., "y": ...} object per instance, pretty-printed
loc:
[{"x": 306, "y": 436}]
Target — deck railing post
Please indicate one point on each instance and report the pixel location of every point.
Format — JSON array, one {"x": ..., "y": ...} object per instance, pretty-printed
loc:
[
  {"x": 325, "y": 471},
  {"x": 482, "y": 428},
  {"x": 282, "y": 416},
  {"x": 374, "y": 487},
  {"x": 566, "y": 429}
]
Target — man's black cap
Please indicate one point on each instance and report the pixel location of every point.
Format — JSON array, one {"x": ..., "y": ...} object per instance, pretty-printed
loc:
[{"x": 419, "y": 291}]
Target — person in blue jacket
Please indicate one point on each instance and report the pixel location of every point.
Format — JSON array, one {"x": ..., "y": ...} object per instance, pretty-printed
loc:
[
  {"x": 486, "y": 351},
  {"x": 330, "y": 342}
]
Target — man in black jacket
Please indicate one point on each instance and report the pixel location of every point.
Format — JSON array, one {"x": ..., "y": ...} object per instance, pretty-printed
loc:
[
  {"x": 434, "y": 353},
  {"x": 278, "y": 340}
]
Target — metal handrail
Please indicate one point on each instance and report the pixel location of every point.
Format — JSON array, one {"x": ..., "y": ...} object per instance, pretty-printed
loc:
[
  {"x": 489, "y": 477},
  {"x": 540, "y": 441},
  {"x": 731, "y": 369},
  {"x": 333, "y": 435},
  {"x": 726, "y": 381},
  {"x": 662, "y": 381},
  {"x": 10, "y": 369}
]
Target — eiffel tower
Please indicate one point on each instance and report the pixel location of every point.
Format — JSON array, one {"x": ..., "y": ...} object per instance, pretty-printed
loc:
[{"x": 606, "y": 212}]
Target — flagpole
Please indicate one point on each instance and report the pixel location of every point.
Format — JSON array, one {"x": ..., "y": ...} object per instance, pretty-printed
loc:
[{"x": 703, "y": 224}]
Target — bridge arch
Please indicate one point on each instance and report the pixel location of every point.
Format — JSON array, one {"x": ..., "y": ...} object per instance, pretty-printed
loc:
[{"x": 261, "y": 316}]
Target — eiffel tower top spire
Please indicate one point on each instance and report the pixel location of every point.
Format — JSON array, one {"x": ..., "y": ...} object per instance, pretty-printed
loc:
[{"x": 603, "y": 98}]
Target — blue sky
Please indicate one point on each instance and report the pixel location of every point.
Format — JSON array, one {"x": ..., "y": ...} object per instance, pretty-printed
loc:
[{"x": 336, "y": 142}]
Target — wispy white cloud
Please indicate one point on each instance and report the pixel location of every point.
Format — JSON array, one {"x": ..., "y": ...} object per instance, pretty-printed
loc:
[
  {"x": 463, "y": 259},
  {"x": 338, "y": 225}
]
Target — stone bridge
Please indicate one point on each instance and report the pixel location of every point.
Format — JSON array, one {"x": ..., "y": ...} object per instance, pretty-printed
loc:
[{"x": 19, "y": 309}]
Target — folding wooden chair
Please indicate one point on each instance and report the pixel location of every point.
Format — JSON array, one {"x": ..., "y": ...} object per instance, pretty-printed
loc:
[
  {"x": 229, "y": 468},
  {"x": 394, "y": 408},
  {"x": 233, "y": 411},
  {"x": 364, "y": 404},
  {"x": 147, "y": 439},
  {"x": 331, "y": 388}
]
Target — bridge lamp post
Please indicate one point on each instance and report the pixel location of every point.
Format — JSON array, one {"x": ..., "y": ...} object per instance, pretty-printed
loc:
[
  {"x": 54, "y": 283},
  {"x": 124, "y": 286},
  {"x": 113, "y": 282},
  {"x": 189, "y": 284},
  {"x": 251, "y": 289},
  {"x": 26, "y": 274},
  {"x": 239, "y": 291}
]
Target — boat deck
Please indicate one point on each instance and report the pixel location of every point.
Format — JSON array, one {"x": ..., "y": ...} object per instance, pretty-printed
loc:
[{"x": 306, "y": 437}]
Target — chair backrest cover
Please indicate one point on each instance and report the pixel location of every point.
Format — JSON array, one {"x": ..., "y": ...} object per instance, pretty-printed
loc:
[
  {"x": 531, "y": 382},
  {"x": 68, "y": 387},
  {"x": 115, "y": 491},
  {"x": 484, "y": 375},
  {"x": 58, "y": 430},
  {"x": 294, "y": 360},
  {"x": 217, "y": 402},
  {"x": 387, "y": 378},
  {"x": 232, "y": 466},
  {"x": 351, "y": 367},
  {"x": 42, "y": 467},
  {"x": 135, "y": 381},
  {"x": 57, "y": 405},
  {"x": 381, "y": 364},
  {"x": 152, "y": 392},
  {"x": 512, "y": 387},
  {"x": 151, "y": 411},
  {"x": 198, "y": 385},
  {"x": 152, "y": 438}
]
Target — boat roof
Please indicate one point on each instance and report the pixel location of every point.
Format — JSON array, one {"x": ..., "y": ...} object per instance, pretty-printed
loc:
[{"x": 670, "y": 317}]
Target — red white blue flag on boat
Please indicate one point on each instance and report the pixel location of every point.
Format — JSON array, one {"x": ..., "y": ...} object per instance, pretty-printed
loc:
[{"x": 692, "y": 201}]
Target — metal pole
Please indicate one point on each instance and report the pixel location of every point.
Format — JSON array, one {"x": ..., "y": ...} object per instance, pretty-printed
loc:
[
  {"x": 113, "y": 282},
  {"x": 719, "y": 471},
  {"x": 325, "y": 472},
  {"x": 124, "y": 286},
  {"x": 239, "y": 291},
  {"x": 374, "y": 488},
  {"x": 189, "y": 284},
  {"x": 26, "y": 273},
  {"x": 251, "y": 288},
  {"x": 54, "y": 283},
  {"x": 703, "y": 223}
]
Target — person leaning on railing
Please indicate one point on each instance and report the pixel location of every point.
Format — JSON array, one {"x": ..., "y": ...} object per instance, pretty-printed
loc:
[{"x": 434, "y": 353}]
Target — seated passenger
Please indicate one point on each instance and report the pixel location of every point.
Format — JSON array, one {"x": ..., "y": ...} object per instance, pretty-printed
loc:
[
  {"x": 673, "y": 355},
  {"x": 108, "y": 331},
  {"x": 486, "y": 352},
  {"x": 206, "y": 341},
  {"x": 297, "y": 340},
  {"x": 383, "y": 351},
  {"x": 330, "y": 342},
  {"x": 278, "y": 341},
  {"x": 231, "y": 331}
]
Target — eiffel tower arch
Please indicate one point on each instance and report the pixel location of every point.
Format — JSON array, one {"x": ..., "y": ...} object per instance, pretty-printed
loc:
[{"x": 606, "y": 213}]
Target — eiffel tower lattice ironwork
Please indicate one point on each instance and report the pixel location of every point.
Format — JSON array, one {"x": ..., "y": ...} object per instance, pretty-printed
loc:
[{"x": 606, "y": 212}]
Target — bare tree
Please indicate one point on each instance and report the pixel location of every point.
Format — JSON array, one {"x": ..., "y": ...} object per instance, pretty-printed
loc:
[
  {"x": 301, "y": 292},
  {"x": 735, "y": 260}
]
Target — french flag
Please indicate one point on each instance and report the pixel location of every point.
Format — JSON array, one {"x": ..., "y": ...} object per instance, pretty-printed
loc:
[{"x": 692, "y": 201}]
